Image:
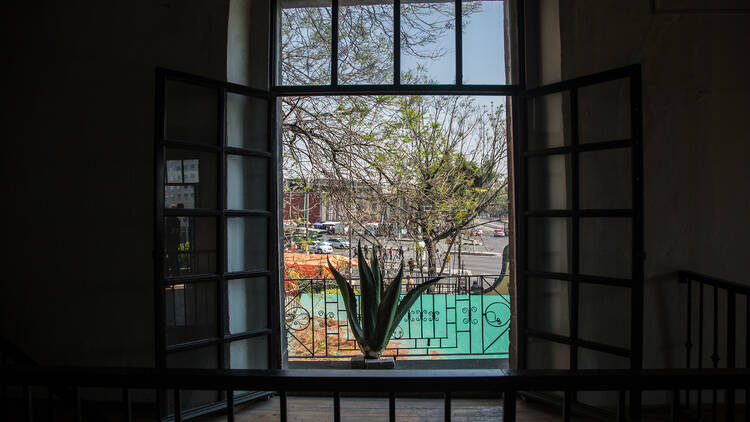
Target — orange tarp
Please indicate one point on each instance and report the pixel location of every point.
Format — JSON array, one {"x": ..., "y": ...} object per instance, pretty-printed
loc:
[{"x": 300, "y": 265}]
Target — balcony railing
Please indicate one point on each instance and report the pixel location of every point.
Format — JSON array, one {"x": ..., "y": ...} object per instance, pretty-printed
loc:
[
  {"x": 32, "y": 382},
  {"x": 462, "y": 316}
]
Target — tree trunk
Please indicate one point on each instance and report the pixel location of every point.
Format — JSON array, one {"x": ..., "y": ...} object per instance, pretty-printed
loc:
[{"x": 429, "y": 246}]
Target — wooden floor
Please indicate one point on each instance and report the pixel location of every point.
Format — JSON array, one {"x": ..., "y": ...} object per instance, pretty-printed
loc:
[{"x": 320, "y": 409}]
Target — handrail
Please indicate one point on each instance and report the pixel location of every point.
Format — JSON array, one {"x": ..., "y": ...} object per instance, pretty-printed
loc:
[
  {"x": 714, "y": 281},
  {"x": 369, "y": 380}
]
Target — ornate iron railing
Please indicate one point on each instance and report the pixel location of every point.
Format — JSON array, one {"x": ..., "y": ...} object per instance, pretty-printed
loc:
[{"x": 462, "y": 316}]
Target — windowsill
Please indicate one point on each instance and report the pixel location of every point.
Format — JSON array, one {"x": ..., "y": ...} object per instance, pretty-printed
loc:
[{"x": 500, "y": 363}]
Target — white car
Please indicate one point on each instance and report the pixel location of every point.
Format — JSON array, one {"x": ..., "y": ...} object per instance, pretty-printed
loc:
[
  {"x": 338, "y": 242},
  {"x": 322, "y": 247}
]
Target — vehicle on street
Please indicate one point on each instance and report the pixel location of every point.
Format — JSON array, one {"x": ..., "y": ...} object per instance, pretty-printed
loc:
[
  {"x": 498, "y": 233},
  {"x": 321, "y": 247},
  {"x": 338, "y": 242},
  {"x": 477, "y": 232}
]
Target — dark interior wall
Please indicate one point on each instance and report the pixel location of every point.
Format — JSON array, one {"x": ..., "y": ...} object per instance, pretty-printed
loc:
[
  {"x": 77, "y": 162},
  {"x": 696, "y": 144}
]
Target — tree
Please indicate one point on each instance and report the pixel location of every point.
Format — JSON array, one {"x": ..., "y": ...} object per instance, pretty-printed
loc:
[{"x": 426, "y": 165}]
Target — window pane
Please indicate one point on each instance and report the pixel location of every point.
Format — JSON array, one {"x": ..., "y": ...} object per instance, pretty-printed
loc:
[
  {"x": 203, "y": 358},
  {"x": 483, "y": 42},
  {"x": 606, "y": 247},
  {"x": 549, "y": 244},
  {"x": 191, "y": 179},
  {"x": 549, "y": 182},
  {"x": 190, "y": 312},
  {"x": 247, "y": 243},
  {"x": 604, "y": 314},
  {"x": 593, "y": 359},
  {"x": 247, "y": 122},
  {"x": 546, "y": 120},
  {"x": 549, "y": 304},
  {"x": 365, "y": 42},
  {"x": 544, "y": 354},
  {"x": 250, "y": 353},
  {"x": 247, "y": 183},
  {"x": 305, "y": 42},
  {"x": 428, "y": 43},
  {"x": 189, "y": 245},
  {"x": 605, "y": 179},
  {"x": 192, "y": 113},
  {"x": 248, "y": 304},
  {"x": 604, "y": 111}
]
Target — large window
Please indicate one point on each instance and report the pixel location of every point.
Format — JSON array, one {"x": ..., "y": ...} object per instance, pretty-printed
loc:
[{"x": 440, "y": 46}]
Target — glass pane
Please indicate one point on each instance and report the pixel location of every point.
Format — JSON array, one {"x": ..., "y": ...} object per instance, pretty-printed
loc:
[
  {"x": 203, "y": 358},
  {"x": 604, "y": 314},
  {"x": 604, "y": 111},
  {"x": 605, "y": 179},
  {"x": 248, "y": 304},
  {"x": 365, "y": 42},
  {"x": 592, "y": 359},
  {"x": 305, "y": 39},
  {"x": 247, "y": 122},
  {"x": 189, "y": 245},
  {"x": 549, "y": 182},
  {"x": 251, "y": 353},
  {"x": 549, "y": 244},
  {"x": 606, "y": 247},
  {"x": 428, "y": 43},
  {"x": 247, "y": 183},
  {"x": 483, "y": 42},
  {"x": 191, "y": 179},
  {"x": 190, "y": 312},
  {"x": 546, "y": 119},
  {"x": 543, "y": 354},
  {"x": 549, "y": 305},
  {"x": 247, "y": 243},
  {"x": 192, "y": 113}
]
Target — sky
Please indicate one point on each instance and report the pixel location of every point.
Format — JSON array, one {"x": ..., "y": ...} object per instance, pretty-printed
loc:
[{"x": 483, "y": 49}]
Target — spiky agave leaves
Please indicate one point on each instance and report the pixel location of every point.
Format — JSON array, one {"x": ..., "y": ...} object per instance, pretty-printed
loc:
[{"x": 381, "y": 309}]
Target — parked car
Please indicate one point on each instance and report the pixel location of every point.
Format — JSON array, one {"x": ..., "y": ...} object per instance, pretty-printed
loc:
[
  {"x": 498, "y": 233},
  {"x": 321, "y": 247},
  {"x": 477, "y": 232},
  {"x": 338, "y": 242}
]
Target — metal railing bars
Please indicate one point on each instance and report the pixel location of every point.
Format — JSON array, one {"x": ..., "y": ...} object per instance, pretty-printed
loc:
[
  {"x": 719, "y": 289},
  {"x": 497, "y": 381}
]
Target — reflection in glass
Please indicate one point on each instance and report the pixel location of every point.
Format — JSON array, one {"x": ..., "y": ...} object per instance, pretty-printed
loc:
[
  {"x": 190, "y": 312},
  {"x": 551, "y": 298},
  {"x": 191, "y": 113},
  {"x": 365, "y": 42},
  {"x": 247, "y": 243},
  {"x": 605, "y": 179},
  {"x": 305, "y": 42},
  {"x": 549, "y": 182},
  {"x": 546, "y": 121},
  {"x": 602, "y": 307},
  {"x": 251, "y": 353},
  {"x": 483, "y": 42},
  {"x": 247, "y": 183},
  {"x": 189, "y": 245},
  {"x": 190, "y": 179},
  {"x": 248, "y": 304},
  {"x": 606, "y": 247},
  {"x": 549, "y": 244},
  {"x": 604, "y": 111},
  {"x": 247, "y": 122},
  {"x": 203, "y": 358},
  {"x": 428, "y": 43}
]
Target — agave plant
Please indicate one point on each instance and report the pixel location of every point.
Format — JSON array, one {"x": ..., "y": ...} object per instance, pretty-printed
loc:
[{"x": 381, "y": 309}]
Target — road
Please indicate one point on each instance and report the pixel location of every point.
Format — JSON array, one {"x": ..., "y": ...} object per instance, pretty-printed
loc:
[{"x": 488, "y": 251}]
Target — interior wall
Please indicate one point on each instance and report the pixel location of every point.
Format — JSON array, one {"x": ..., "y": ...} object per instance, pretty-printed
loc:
[
  {"x": 77, "y": 163},
  {"x": 696, "y": 143}
]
